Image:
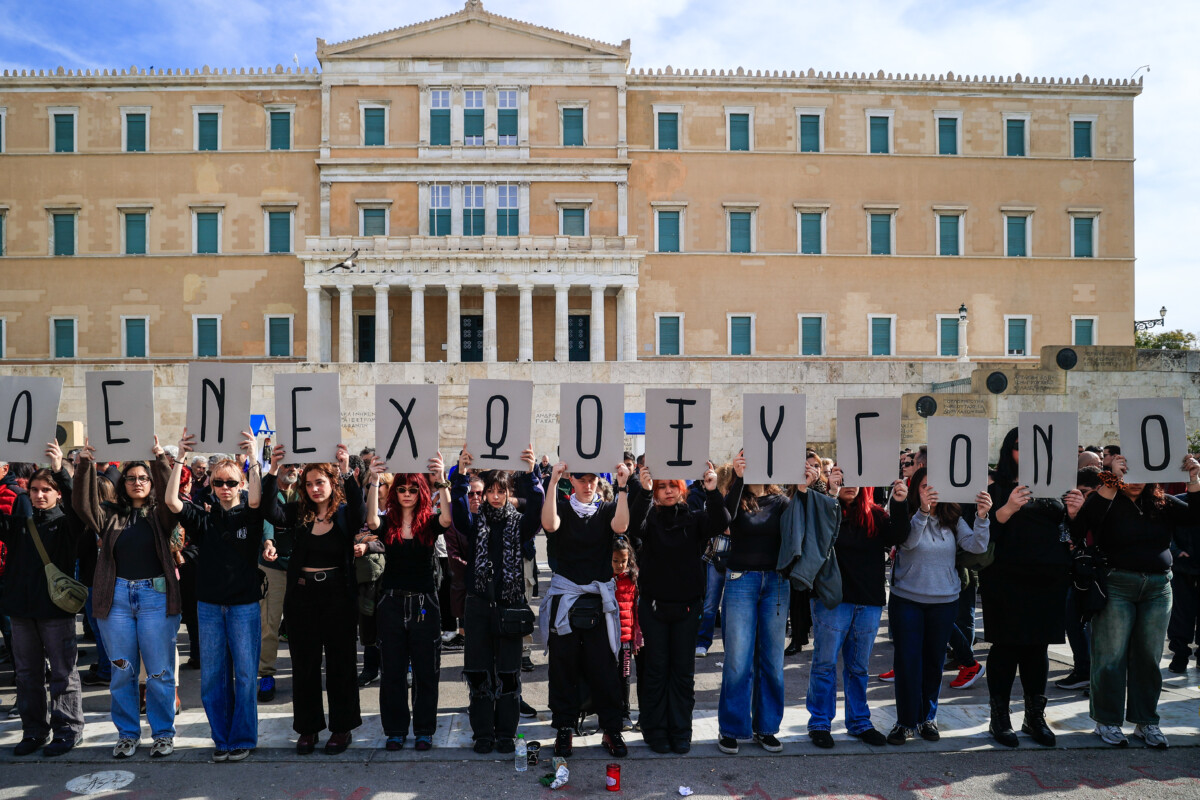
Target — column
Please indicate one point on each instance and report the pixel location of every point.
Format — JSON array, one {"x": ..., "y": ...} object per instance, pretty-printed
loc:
[
  {"x": 489, "y": 323},
  {"x": 597, "y": 335},
  {"x": 523, "y": 208},
  {"x": 326, "y": 204},
  {"x": 456, "y": 208},
  {"x": 962, "y": 340},
  {"x": 629, "y": 332},
  {"x": 326, "y": 317},
  {"x": 622, "y": 139},
  {"x": 561, "y": 348},
  {"x": 423, "y": 208},
  {"x": 623, "y": 208},
  {"x": 453, "y": 323},
  {"x": 313, "y": 324},
  {"x": 423, "y": 117},
  {"x": 491, "y": 203},
  {"x": 418, "y": 325},
  {"x": 525, "y": 342},
  {"x": 345, "y": 324},
  {"x": 383, "y": 325}
]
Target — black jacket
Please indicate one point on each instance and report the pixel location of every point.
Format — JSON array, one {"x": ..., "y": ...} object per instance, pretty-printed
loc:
[{"x": 25, "y": 591}]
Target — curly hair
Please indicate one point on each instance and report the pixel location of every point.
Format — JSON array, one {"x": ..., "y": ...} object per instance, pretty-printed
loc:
[
  {"x": 337, "y": 495},
  {"x": 423, "y": 532}
]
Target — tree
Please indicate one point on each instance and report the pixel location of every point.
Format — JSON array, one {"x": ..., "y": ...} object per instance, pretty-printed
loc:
[
  {"x": 1194, "y": 442},
  {"x": 1167, "y": 340}
]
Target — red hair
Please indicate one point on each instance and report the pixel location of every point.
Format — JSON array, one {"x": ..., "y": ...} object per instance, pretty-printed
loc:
[
  {"x": 422, "y": 512},
  {"x": 681, "y": 485},
  {"x": 861, "y": 511}
]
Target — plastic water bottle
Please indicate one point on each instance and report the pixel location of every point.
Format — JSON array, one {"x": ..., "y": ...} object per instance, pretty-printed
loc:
[{"x": 519, "y": 759}]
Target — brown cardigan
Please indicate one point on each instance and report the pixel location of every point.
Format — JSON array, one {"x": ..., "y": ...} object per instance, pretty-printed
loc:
[{"x": 108, "y": 521}]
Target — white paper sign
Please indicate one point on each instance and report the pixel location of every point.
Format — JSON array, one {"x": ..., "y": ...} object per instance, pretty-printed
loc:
[
  {"x": 406, "y": 426},
  {"x": 120, "y": 415},
  {"x": 677, "y": 432},
  {"x": 958, "y": 457},
  {"x": 28, "y": 416},
  {"x": 308, "y": 414},
  {"x": 591, "y": 425},
  {"x": 1153, "y": 439},
  {"x": 499, "y": 423},
  {"x": 868, "y": 440},
  {"x": 1049, "y": 448},
  {"x": 774, "y": 437},
  {"x": 218, "y": 404}
]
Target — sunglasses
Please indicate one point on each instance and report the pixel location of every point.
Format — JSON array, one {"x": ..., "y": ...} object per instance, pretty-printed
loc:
[
  {"x": 137, "y": 478},
  {"x": 225, "y": 484},
  {"x": 406, "y": 490},
  {"x": 474, "y": 494}
]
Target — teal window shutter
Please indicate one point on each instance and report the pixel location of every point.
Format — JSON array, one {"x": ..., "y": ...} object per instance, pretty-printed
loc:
[
  {"x": 64, "y": 338},
  {"x": 374, "y": 127},
  {"x": 1015, "y": 137},
  {"x": 949, "y": 331},
  {"x": 810, "y": 234},
  {"x": 810, "y": 133},
  {"x": 473, "y": 219},
  {"x": 881, "y": 336},
  {"x": 64, "y": 133},
  {"x": 739, "y": 232},
  {"x": 135, "y": 133},
  {"x": 947, "y": 136},
  {"x": 573, "y": 222},
  {"x": 507, "y": 222},
  {"x": 279, "y": 235},
  {"x": 948, "y": 235},
  {"x": 572, "y": 127},
  {"x": 1083, "y": 138},
  {"x": 64, "y": 234},
  {"x": 810, "y": 336},
  {"x": 473, "y": 126},
  {"x": 1084, "y": 228},
  {"x": 881, "y": 234},
  {"x": 439, "y": 127},
  {"x": 208, "y": 123},
  {"x": 280, "y": 331},
  {"x": 668, "y": 231},
  {"x": 281, "y": 130},
  {"x": 668, "y": 131},
  {"x": 374, "y": 222},
  {"x": 739, "y": 336},
  {"x": 1084, "y": 332},
  {"x": 1016, "y": 236},
  {"x": 2, "y": 221},
  {"x": 439, "y": 222},
  {"x": 739, "y": 131},
  {"x": 206, "y": 337},
  {"x": 135, "y": 234},
  {"x": 506, "y": 125},
  {"x": 879, "y": 134},
  {"x": 135, "y": 338},
  {"x": 668, "y": 336},
  {"x": 208, "y": 237},
  {"x": 1016, "y": 337}
]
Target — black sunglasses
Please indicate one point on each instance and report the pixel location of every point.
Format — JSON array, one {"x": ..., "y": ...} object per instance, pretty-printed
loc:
[
  {"x": 227, "y": 484},
  {"x": 406, "y": 490}
]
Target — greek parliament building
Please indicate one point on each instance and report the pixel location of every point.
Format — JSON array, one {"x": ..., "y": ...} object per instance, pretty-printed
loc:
[{"x": 476, "y": 188}]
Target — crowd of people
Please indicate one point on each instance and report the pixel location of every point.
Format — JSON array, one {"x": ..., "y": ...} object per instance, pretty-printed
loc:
[{"x": 643, "y": 572}]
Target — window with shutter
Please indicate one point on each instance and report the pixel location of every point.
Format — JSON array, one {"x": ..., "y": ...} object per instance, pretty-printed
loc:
[
  {"x": 739, "y": 131},
  {"x": 374, "y": 127},
  {"x": 1017, "y": 236},
  {"x": 473, "y": 127},
  {"x": 1083, "y": 138},
  {"x": 473, "y": 209},
  {"x": 279, "y": 330},
  {"x": 881, "y": 234},
  {"x": 810, "y": 133},
  {"x": 64, "y": 133},
  {"x": 1084, "y": 329},
  {"x": 881, "y": 336},
  {"x": 439, "y": 127},
  {"x": 947, "y": 136},
  {"x": 811, "y": 337},
  {"x": 1015, "y": 137},
  {"x": 740, "y": 239},
  {"x": 506, "y": 117},
  {"x": 1016, "y": 337},
  {"x": 374, "y": 222},
  {"x": 64, "y": 338},
  {"x": 279, "y": 239},
  {"x": 135, "y": 234},
  {"x": 439, "y": 210},
  {"x": 281, "y": 130},
  {"x": 668, "y": 336},
  {"x": 64, "y": 234},
  {"x": 508, "y": 215},
  {"x": 572, "y": 127},
  {"x": 135, "y": 133},
  {"x": 810, "y": 234},
  {"x": 135, "y": 338},
  {"x": 668, "y": 231},
  {"x": 668, "y": 131},
  {"x": 573, "y": 222},
  {"x": 948, "y": 235},
  {"x": 949, "y": 336},
  {"x": 740, "y": 339},
  {"x": 207, "y": 337},
  {"x": 366, "y": 338},
  {"x": 879, "y": 134},
  {"x": 207, "y": 130},
  {"x": 208, "y": 238},
  {"x": 1084, "y": 231}
]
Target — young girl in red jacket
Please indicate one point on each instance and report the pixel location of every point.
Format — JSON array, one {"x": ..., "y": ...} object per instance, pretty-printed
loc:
[{"x": 625, "y": 573}]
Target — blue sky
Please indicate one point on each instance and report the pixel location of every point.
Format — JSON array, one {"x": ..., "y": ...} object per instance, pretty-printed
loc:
[{"x": 1100, "y": 38}]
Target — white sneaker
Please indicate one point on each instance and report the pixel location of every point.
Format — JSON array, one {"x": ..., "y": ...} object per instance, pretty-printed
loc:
[
  {"x": 162, "y": 747},
  {"x": 1152, "y": 735},
  {"x": 125, "y": 748},
  {"x": 1112, "y": 734},
  {"x": 701, "y": 652}
]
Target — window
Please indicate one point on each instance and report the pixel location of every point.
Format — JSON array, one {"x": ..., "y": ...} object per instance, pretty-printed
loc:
[
  {"x": 572, "y": 127},
  {"x": 136, "y": 121},
  {"x": 439, "y": 209},
  {"x": 63, "y": 233},
  {"x": 208, "y": 127},
  {"x": 666, "y": 128},
  {"x": 3, "y": 219},
  {"x": 579, "y": 337},
  {"x": 206, "y": 336},
  {"x": 1083, "y": 129},
  {"x": 63, "y": 339},
  {"x": 3, "y": 133},
  {"x": 62, "y": 129},
  {"x": 508, "y": 214},
  {"x": 882, "y": 334},
  {"x": 1017, "y": 335},
  {"x": 741, "y": 334},
  {"x": 1083, "y": 236},
  {"x": 3, "y": 335},
  {"x": 506, "y": 117},
  {"x": 374, "y": 126},
  {"x": 134, "y": 342},
  {"x": 1083, "y": 331},
  {"x": 668, "y": 231},
  {"x": 135, "y": 232},
  {"x": 279, "y": 231},
  {"x": 374, "y": 222},
  {"x": 281, "y": 129},
  {"x": 574, "y": 222},
  {"x": 1016, "y": 134},
  {"x": 208, "y": 231},
  {"x": 947, "y": 335},
  {"x": 812, "y": 224},
  {"x": 439, "y": 118},
  {"x": 279, "y": 336},
  {"x": 879, "y": 131},
  {"x": 738, "y": 129},
  {"x": 1016, "y": 235},
  {"x": 950, "y": 234},
  {"x": 811, "y": 124},
  {"x": 949, "y": 132},
  {"x": 473, "y": 117},
  {"x": 881, "y": 234},
  {"x": 470, "y": 331},
  {"x": 741, "y": 231},
  {"x": 473, "y": 209},
  {"x": 812, "y": 335},
  {"x": 669, "y": 332}
]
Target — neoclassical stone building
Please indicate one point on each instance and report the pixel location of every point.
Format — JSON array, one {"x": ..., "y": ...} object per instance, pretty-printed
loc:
[{"x": 475, "y": 188}]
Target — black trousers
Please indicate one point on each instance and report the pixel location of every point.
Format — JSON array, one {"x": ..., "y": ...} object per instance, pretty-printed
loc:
[
  {"x": 492, "y": 669},
  {"x": 187, "y": 603},
  {"x": 1183, "y": 629},
  {"x": 449, "y": 621},
  {"x": 1003, "y": 662},
  {"x": 323, "y": 616},
  {"x": 579, "y": 661},
  {"x": 409, "y": 635},
  {"x": 666, "y": 687},
  {"x": 801, "y": 615}
]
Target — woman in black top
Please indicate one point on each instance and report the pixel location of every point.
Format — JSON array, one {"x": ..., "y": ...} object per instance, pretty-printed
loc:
[
  {"x": 408, "y": 616},
  {"x": 320, "y": 599},
  {"x": 670, "y": 539},
  {"x": 1132, "y": 524}
]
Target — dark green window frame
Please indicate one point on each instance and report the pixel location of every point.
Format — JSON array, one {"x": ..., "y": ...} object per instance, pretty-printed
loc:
[
  {"x": 374, "y": 222},
  {"x": 135, "y": 337},
  {"x": 208, "y": 130},
  {"x": 135, "y": 233},
  {"x": 374, "y": 127},
  {"x": 668, "y": 130},
  {"x": 279, "y": 337},
  {"x": 810, "y": 133},
  {"x": 64, "y": 133},
  {"x": 668, "y": 231},
  {"x": 1014, "y": 137},
  {"x": 739, "y": 132},
  {"x": 947, "y": 133},
  {"x": 572, "y": 127},
  {"x": 64, "y": 233},
  {"x": 880, "y": 134},
  {"x": 574, "y": 222},
  {"x": 208, "y": 337},
  {"x": 281, "y": 130},
  {"x": 669, "y": 326},
  {"x": 810, "y": 233},
  {"x": 741, "y": 231},
  {"x": 948, "y": 336},
  {"x": 812, "y": 336},
  {"x": 208, "y": 232},
  {"x": 135, "y": 132}
]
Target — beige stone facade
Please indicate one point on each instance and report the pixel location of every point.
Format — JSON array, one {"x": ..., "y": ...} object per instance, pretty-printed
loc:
[{"x": 550, "y": 250}]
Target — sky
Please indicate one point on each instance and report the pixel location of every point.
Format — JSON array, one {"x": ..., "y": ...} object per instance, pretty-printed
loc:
[{"x": 1052, "y": 38}]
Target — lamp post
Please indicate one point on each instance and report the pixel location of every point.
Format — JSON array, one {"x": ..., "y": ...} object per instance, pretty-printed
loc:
[
  {"x": 962, "y": 333},
  {"x": 1147, "y": 324}
]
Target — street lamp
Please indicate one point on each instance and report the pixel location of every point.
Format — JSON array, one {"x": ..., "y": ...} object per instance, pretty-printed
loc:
[
  {"x": 962, "y": 333},
  {"x": 1147, "y": 324}
]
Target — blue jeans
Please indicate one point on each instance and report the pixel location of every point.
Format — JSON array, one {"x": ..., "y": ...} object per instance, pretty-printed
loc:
[
  {"x": 230, "y": 637},
  {"x": 850, "y": 630},
  {"x": 712, "y": 601},
  {"x": 1127, "y": 643},
  {"x": 754, "y": 619},
  {"x": 921, "y": 632},
  {"x": 103, "y": 665},
  {"x": 138, "y": 628},
  {"x": 962, "y": 635},
  {"x": 1079, "y": 636}
]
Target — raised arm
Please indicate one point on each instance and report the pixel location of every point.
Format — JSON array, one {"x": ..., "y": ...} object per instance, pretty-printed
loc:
[
  {"x": 375, "y": 468},
  {"x": 254, "y": 476},
  {"x": 160, "y": 476},
  {"x": 535, "y": 500},
  {"x": 437, "y": 471},
  {"x": 550, "y": 520},
  {"x": 85, "y": 494},
  {"x": 716, "y": 515},
  {"x": 620, "y": 521}
]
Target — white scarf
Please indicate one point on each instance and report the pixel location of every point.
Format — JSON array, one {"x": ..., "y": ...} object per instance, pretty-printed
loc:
[{"x": 584, "y": 510}]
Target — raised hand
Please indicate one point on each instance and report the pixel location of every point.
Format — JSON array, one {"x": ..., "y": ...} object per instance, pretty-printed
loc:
[
  {"x": 983, "y": 504},
  {"x": 156, "y": 450},
  {"x": 710, "y": 477},
  {"x": 622, "y": 474},
  {"x": 248, "y": 445},
  {"x": 929, "y": 498},
  {"x": 1019, "y": 497},
  {"x": 87, "y": 452},
  {"x": 836, "y": 476},
  {"x": 646, "y": 479},
  {"x": 187, "y": 444},
  {"x": 343, "y": 459},
  {"x": 739, "y": 463},
  {"x": 1073, "y": 500},
  {"x": 899, "y": 491},
  {"x": 269, "y": 553},
  {"x": 464, "y": 460},
  {"x": 437, "y": 468},
  {"x": 528, "y": 457},
  {"x": 54, "y": 453},
  {"x": 1119, "y": 467}
]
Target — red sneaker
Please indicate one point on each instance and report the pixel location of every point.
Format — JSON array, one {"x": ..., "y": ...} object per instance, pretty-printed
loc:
[
  {"x": 967, "y": 676},
  {"x": 889, "y": 676}
]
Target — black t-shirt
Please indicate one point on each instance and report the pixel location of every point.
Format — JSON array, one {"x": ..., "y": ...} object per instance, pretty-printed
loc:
[
  {"x": 862, "y": 560},
  {"x": 321, "y": 551},
  {"x": 755, "y": 536},
  {"x": 134, "y": 552},
  {"x": 1136, "y": 535},
  {"x": 227, "y": 548},
  {"x": 410, "y": 566},
  {"x": 583, "y": 545}
]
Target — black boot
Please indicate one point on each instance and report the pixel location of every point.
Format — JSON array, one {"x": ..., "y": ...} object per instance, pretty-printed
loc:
[
  {"x": 1035, "y": 721},
  {"x": 1000, "y": 726},
  {"x": 370, "y": 670}
]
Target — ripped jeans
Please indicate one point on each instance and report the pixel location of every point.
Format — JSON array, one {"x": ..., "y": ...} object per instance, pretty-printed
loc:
[
  {"x": 492, "y": 669},
  {"x": 138, "y": 629}
]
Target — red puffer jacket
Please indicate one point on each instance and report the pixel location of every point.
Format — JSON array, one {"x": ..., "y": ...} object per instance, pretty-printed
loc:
[{"x": 626, "y": 600}]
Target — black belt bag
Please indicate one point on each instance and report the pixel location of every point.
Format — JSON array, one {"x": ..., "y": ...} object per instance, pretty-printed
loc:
[
  {"x": 586, "y": 612},
  {"x": 668, "y": 612},
  {"x": 512, "y": 623}
]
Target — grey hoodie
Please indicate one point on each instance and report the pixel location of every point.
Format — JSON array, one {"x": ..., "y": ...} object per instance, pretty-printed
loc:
[{"x": 924, "y": 571}]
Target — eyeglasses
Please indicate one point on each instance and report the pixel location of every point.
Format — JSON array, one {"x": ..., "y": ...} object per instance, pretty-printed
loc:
[
  {"x": 226, "y": 484},
  {"x": 474, "y": 494},
  {"x": 406, "y": 490},
  {"x": 137, "y": 478}
]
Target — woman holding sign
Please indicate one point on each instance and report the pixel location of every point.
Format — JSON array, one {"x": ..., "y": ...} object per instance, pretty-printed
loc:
[
  {"x": 321, "y": 595},
  {"x": 1133, "y": 525}
]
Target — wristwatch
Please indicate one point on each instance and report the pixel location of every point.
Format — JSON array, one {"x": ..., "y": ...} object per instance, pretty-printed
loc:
[{"x": 618, "y": 489}]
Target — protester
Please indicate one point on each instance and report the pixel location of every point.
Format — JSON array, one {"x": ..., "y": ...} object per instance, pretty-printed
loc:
[
  {"x": 369, "y": 564},
  {"x": 715, "y": 559},
  {"x": 625, "y": 572},
  {"x": 274, "y": 583}
]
